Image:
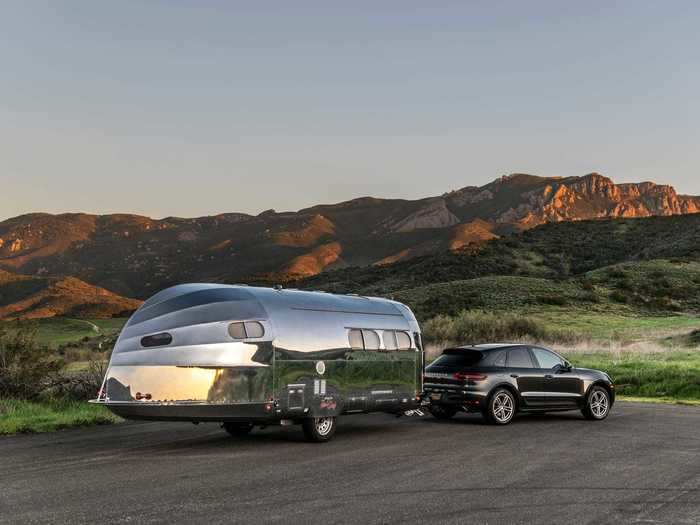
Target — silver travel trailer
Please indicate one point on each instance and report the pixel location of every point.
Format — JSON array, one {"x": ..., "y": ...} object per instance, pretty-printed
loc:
[{"x": 248, "y": 356}]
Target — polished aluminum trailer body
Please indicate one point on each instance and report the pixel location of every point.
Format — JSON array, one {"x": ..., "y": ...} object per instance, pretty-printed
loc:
[{"x": 212, "y": 352}]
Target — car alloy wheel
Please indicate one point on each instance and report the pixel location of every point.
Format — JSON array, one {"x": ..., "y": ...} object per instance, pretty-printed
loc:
[
  {"x": 503, "y": 407},
  {"x": 599, "y": 403},
  {"x": 500, "y": 408}
]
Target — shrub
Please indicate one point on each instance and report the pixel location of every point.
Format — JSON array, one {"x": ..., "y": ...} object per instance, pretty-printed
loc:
[
  {"x": 616, "y": 273},
  {"x": 553, "y": 300},
  {"x": 695, "y": 337},
  {"x": 624, "y": 284},
  {"x": 26, "y": 368},
  {"x": 588, "y": 285},
  {"x": 480, "y": 327},
  {"x": 79, "y": 386},
  {"x": 619, "y": 297}
]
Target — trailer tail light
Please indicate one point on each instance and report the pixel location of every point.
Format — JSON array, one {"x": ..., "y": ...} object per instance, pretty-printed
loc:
[{"x": 469, "y": 376}]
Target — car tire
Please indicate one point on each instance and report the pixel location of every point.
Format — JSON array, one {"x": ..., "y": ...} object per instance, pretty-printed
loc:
[
  {"x": 597, "y": 405},
  {"x": 319, "y": 429},
  {"x": 442, "y": 412},
  {"x": 500, "y": 407},
  {"x": 238, "y": 429}
]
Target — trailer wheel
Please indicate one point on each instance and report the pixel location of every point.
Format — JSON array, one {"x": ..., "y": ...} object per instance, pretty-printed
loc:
[
  {"x": 238, "y": 429},
  {"x": 319, "y": 429},
  {"x": 442, "y": 412}
]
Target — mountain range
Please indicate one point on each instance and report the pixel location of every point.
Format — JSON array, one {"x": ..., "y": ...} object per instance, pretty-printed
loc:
[{"x": 47, "y": 259}]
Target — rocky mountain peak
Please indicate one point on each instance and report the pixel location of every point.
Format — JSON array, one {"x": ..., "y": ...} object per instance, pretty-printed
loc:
[{"x": 135, "y": 256}]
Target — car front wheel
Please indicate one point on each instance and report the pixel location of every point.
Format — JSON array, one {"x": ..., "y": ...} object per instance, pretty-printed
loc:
[
  {"x": 597, "y": 405},
  {"x": 500, "y": 408}
]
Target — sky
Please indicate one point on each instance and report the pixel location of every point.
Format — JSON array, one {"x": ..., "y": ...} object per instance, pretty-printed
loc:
[{"x": 191, "y": 108}]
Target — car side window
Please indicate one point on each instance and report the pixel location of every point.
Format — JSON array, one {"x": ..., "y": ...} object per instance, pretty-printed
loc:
[
  {"x": 547, "y": 359},
  {"x": 519, "y": 358},
  {"x": 499, "y": 359}
]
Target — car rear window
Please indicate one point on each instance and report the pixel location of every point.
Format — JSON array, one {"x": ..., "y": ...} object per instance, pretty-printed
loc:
[{"x": 459, "y": 358}]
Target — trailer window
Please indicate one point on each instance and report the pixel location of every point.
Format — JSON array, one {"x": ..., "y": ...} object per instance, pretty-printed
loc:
[
  {"x": 371, "y": 339},
  {"x": 403, "y": 340},
  {"x": 254, "y": 329},
  {"x": 247, "y": 330},
  {"x": 236, "y": 330},
  {"x": 162, "y": 339},
  {"x": 389, "y": 337},
  {"x": 355, "y": 337}
]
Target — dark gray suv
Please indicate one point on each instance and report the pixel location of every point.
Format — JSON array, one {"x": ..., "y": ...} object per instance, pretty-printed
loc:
[{"x": 500, "y": 380}]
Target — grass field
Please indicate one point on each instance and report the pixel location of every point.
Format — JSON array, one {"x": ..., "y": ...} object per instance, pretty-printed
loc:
[
  {"x": 601, "y": 326},
  {"x": 18, "y": 416},
  {"x": 652, "y": 356},
  {"x": 55, "y": 331},
  {"x": 665, "y": 376}
]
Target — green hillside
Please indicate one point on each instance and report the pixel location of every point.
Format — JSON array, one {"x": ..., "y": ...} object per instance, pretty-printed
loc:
[
  {"x": 633, "y": 288},
  {"x": 553, "y": 251}
]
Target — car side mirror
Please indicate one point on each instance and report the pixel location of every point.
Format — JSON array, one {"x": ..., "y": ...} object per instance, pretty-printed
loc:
[{"x": 566, "y": 367}]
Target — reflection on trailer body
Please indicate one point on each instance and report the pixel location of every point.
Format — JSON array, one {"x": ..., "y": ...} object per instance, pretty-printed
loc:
[{"x": 211, "y": 352}]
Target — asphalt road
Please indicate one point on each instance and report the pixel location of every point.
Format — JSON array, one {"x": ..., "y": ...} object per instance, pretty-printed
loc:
[{"x": 641, "y": 465}]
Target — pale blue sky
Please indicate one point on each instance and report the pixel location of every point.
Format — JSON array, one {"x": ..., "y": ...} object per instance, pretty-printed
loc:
[{"x": 194, "y": 107}]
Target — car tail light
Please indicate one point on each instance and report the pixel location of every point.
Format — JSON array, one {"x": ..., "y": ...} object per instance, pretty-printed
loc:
[{"x": 469, "y": 376}]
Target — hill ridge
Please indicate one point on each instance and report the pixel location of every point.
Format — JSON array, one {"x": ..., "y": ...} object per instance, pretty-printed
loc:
[{"x": 134, "y": 255}]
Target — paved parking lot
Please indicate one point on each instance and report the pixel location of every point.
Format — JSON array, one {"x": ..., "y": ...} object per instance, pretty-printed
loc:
[{"x": 641, "y": 465}]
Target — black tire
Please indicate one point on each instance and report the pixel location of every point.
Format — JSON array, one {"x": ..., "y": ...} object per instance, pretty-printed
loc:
[
  {"x": 238, "y": 429},
  {"x": 319, "y": 429},
  {"x": 597, "y": 405},
  {"x": 500, "y": 408},
  {"x": 442, "y": 411}
]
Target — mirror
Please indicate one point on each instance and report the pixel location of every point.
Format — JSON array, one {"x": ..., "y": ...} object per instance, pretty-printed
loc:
[{"x": 566, "y": 367}]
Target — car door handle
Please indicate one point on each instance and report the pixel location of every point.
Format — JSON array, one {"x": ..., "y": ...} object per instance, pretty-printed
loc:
[
  {"x": 548, "y": 376},
  {"x": 514, "y": 375}
]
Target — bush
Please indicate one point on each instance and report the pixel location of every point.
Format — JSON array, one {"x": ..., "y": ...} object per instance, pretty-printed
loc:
[
  {"x": 695, "y": 337},
  {"x": 26, "y": 368},
  {"x": 480, "y": 327},
  {"x": 624, "y": 284},
  {"x": 616, "y": 273},
  {"x": 79, "y": 386},
  {"x": 619, "y": 297},
  {"x": 552, "y": 300},
  {"x": 588, "y": 285}
]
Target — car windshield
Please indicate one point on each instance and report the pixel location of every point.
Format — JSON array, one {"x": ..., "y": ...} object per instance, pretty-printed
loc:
[{"x": 458, "y": 358}]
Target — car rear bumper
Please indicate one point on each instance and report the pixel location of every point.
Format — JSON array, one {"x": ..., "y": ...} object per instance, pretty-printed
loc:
[{"x": 454, "y": 397}]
